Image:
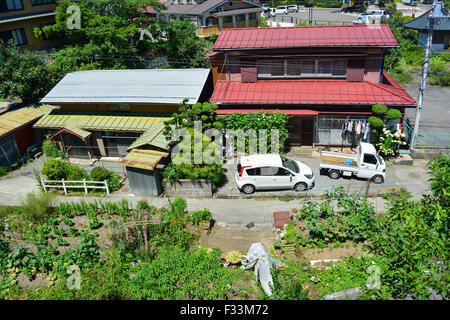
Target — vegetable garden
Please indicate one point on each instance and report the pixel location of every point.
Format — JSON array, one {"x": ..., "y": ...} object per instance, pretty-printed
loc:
[{"x": 145, "y": 252}]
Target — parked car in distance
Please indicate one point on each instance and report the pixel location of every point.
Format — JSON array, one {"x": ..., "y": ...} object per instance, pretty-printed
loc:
[
  {"x": 272, "y": 12},
  {"x": 411, "y": 2},
  {"x": 272, "y": 171},
  {"x": 366, "y": 163},
  {"x": 282, "y": 10},
  {"x": 292, "y": 8},
  {"x": 370, "y": 15}
]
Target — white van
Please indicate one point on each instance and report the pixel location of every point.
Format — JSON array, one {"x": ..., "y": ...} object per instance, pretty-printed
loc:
[
  {"x": 282, "y": 10},
  {"x": 271, "y": 171}
]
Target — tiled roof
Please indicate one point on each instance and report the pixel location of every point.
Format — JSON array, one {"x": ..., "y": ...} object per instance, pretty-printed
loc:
[
  {"x": 14, "y": 119},
  {"x": 323, "y": 92},
  {"x": 150, "y": 126},
  {"x": 311, "y": 36},
  {"x": 422, "y": 22}
]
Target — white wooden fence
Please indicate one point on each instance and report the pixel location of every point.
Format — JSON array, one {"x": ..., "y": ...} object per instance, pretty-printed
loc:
[{"x": 63, "y": 184}]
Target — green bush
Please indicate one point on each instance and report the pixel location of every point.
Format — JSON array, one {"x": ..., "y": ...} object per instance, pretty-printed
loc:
[
  {"x": 375, "y": 122},
  {"x": 393, "y": 114},
  {"x": 49, "y": 148},
  {"x": 199, "y": 216},
  {"x": 54, "y": 169},
  {"x": 176, "y": 274},
  {"x": 38, "y": 208},
  {"x": 100, "y": 174},
  {"x": 213, "y": 172},
  {"x": 75, "y": 173},
  {"x": 440, "y": 80},
  {"x": 260, "y": 120},
  {"x": 379, "y": 109},
  {"x": 3, "y": 171}
]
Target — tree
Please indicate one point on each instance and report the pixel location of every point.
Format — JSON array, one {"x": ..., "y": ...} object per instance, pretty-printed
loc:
[
  {"x": 23, "y": 74},
  {"x": 184, "y": 48},
  {"x": 109, "y": 38}
]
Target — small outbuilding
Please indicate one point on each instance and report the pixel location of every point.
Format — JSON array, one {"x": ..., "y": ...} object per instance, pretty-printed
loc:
[
  {"x": 17, "y": 136},
  {"x": 144, "y": 171}
]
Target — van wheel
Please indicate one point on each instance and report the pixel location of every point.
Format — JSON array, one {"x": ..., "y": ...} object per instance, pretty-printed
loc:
[
  {"x": 248, "y": 189},
  {"x": 334, "y": 174},
  {"x": 377, "y": 179},
  {"x": 301, "y": 186}
]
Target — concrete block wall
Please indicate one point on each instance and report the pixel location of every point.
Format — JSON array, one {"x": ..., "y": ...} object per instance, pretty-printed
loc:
[{"x": 189, "y": 189}]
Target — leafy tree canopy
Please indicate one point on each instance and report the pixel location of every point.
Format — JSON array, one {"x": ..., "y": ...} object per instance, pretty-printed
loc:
[{"x": 23, "y": 74}]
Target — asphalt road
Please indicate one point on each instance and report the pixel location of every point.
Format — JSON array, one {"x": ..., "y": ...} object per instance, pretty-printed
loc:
[{"x": 330, "y": 15}]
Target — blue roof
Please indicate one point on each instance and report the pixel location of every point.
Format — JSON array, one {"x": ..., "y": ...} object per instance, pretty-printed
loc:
[{"x": 422, "y": 22}]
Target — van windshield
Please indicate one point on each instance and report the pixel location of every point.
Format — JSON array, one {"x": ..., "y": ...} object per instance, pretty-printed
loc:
[{"x": 290, "y": 164}]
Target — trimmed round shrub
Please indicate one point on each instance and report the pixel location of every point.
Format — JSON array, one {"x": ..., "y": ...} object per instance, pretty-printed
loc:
[
  {"x": 379, "y": 108},
  {"x": 375, "y": 122},
  {"x": 75, "y": 173},
  {"x": 100, "y": 174},
  {"x": 393, "y": 114},
  {"x": 54, "y": 169}
]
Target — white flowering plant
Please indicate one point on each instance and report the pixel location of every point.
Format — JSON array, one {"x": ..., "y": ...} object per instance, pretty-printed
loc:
[{"x": 388, "y": 142}]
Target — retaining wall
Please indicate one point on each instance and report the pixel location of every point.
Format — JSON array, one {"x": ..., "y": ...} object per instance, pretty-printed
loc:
[{"x": 189, "y": 188}]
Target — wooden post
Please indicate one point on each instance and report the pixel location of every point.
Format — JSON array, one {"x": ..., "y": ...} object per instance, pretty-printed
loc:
[
  {"x": 85, "y": 187},
  {"x": 43, "y": 184},
  {"x": 107, "y": 188},
  {"x": 64, "y": 186}
]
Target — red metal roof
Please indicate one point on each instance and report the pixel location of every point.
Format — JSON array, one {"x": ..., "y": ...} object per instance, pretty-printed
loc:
[
  {"x": 309, "y": 92},
  {"x": 289, "y": 112},
  {"x": 379, "y": 35}
]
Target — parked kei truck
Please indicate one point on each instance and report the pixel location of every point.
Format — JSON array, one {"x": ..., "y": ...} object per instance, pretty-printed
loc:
[{"x": 366, "y": 163}]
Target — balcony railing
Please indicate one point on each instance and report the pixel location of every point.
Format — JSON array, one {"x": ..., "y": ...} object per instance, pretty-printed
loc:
[{"x": 215, "y": 29}]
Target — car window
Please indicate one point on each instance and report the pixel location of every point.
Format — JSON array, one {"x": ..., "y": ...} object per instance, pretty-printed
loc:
[
  {"x": 370, "y": 158},
  {"x": 282, "y": 172},
  {"x": 290, "y": 164},
  {"x": 268, "y": 171},
  {"x": 253, "y": 172}
]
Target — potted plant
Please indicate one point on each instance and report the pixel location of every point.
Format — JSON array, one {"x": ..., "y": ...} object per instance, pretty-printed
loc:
[{"x": 234, "y": 257}]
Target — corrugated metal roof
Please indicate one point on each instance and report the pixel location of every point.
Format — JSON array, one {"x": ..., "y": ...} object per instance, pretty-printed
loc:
[
  {"x": 143, "y": 159},
  {"x": 309, "y": 92},
  {"x": 156, "y": 86},
  {"x": 310, "y": 36},
  {"x": 422, "y": 22},
  {"x": 80, "y": 122},
  {"x": 14, "y": 119}
]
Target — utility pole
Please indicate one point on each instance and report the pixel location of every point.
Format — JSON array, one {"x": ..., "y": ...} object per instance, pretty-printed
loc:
[
  {"x": 431, "y": 19},
  {"x": 310, "y": 11}
]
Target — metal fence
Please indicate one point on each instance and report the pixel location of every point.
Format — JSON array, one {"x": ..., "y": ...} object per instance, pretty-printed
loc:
[
  {"x": 432, "y": 141},
  {"x": 424, "y": 140}
]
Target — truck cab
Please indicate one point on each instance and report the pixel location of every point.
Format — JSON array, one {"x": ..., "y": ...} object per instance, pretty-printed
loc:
[{"x": 366, "y": 163}]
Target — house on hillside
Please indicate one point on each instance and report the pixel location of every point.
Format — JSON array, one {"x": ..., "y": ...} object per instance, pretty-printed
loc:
[
  {"x": 211, "y": 16},
  {"x": 441, "y": 33},
  {"x": 18, "y": 18},
  {"x": 326, "y": 78},
  {"x": 107, "y": 113}
]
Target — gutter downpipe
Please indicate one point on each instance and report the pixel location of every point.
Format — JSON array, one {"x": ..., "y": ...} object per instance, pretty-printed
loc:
[
  {"x": 227, "y": 59},
  {"x": 381, "y": 65}
]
